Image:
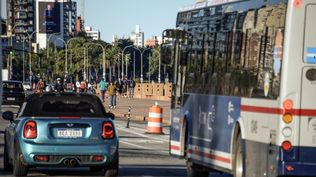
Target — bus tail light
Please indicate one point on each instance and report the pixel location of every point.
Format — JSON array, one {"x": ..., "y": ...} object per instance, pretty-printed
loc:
[
  {"x": 289, "y": 168},
  {"x": 288, "y": 104},
  {"x": 287, "y": 146},
  {"x": 287, "y": 132},
  {"x": 287, "y": 118}
]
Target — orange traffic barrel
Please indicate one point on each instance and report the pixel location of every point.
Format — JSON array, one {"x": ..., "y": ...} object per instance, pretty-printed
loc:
[{"x": 155, "y": 120}]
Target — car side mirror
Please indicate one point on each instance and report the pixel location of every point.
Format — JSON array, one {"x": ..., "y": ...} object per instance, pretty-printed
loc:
[
  {"x": 110, "y": 115},
  {"x": 8, "y": 115}
]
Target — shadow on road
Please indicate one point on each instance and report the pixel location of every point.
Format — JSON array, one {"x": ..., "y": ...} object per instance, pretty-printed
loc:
[{"x": 125, "y": 170}]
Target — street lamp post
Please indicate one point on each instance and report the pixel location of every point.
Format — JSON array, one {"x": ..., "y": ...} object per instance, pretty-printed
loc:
[
  {"x": 141, "y": 63},
  {"x": 103, "y": 56},
  {"x": 123, "y": 60},
  {"x": 47, "y": 45},
  {"x": 68, "y": 42},
  {"x": 66, "y": 71},
  {"x": 30, "y": 53},
  {"x": 10, "y": 56}
]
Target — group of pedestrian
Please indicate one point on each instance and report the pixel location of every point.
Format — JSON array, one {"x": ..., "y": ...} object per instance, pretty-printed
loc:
[
  {"x": 116, "y": 89},
  {"x": 41, "y": 86}
]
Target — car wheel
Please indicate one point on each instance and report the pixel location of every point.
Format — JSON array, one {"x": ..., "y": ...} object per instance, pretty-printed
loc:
[
  {"x": 195, "y": 170},
  {"x": 6, "y": 164},
  {"x": 112, "y": 169},
  {"x": 19, "y": 169}
]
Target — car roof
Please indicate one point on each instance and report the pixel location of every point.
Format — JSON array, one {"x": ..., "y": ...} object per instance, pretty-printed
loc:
[{"x": 35, "y": 104}]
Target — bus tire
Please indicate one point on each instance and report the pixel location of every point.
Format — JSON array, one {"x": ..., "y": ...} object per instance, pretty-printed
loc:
[
  {"x": 194, "y": 170},
  {"x": 239, "y": 158}
]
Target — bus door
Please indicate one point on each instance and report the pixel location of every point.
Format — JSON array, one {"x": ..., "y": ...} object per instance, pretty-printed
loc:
[{"x": 308, "y": 101}]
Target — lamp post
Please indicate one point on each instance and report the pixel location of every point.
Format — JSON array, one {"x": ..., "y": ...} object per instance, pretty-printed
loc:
[
  {"x": 66, "y": 70},
  {"x": 67, "y": 43},
  {"x": 30, "y": 52},
  {"x": 103, "y": 56},
  {"x": 10, "y": 56},
  {"x": 141, "y": 63},
  {"x": 47, "y": 43},
  {"x": 123, "y": 60}
]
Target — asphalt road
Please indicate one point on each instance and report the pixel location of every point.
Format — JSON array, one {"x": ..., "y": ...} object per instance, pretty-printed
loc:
[{"x": 141, "y": 154}]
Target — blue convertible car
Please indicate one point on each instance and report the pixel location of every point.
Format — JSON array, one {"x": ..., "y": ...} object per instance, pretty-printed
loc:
[{"x": 61, "y": 129}]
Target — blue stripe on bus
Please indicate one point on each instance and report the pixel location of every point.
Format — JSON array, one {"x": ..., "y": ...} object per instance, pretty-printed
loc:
[
  {"x": 311, "y": 50},
  {"x": 311, "y": 59}
]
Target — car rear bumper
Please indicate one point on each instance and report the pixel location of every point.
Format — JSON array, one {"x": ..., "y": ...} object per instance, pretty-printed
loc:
[{"x": 57, "y": 154}]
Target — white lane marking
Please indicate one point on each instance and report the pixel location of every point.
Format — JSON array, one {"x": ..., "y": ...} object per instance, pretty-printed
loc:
[
  {"x": 154, "y": 167},
  {"x": 143, "y": 141},
  {"x": 135, "y": 145},
  {"x": 142, "y": 135}
]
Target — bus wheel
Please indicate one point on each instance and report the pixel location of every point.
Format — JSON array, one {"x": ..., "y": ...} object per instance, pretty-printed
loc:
[
  {"x": 195, "y": 170},
  {"x": 239, "y": 160}
]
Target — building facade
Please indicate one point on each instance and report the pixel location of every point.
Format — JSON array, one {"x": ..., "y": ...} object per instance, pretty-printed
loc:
[
  {"x": 20, "y": 18},
  {"x": 95, "y": 35},
  {"x": 42, "y": 17},
  {"x": 138, "y": 37}
]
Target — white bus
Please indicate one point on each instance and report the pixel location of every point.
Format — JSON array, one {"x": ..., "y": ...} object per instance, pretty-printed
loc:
[{"x": 244, "y": 95}]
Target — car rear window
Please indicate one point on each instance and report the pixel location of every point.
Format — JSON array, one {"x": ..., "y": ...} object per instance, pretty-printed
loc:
[
  {"x": 59, "y": 105},
  {"x": 7, "y": 86}
]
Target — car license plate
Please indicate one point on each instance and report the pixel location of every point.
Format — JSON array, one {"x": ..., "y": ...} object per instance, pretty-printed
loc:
[
  {"x": 69, "y": 133},
  {"x": 11, "y": 99}
]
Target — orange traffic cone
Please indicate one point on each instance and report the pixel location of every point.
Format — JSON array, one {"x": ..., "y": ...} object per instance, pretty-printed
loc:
[{"x": 155, "y": 120}]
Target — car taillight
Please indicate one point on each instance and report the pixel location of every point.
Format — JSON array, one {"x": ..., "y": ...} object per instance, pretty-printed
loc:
[
  {"x": 30, "y": 130},
  {"x": 107, "y": 130},
  {"x": 287, "y": 146}
]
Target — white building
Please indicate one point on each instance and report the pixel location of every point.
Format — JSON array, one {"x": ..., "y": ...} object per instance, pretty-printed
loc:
[
  {"x": 137, "y": 37},
  {"x": 95, "y": 35}
]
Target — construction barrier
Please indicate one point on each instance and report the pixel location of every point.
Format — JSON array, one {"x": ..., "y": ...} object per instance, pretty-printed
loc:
[
  {"x": 158, "y": 89},
  {"x": 147, "y": 89},
  {"x": 138, "y": 89},
  {"x": 155, "y": 120},
  {"x": 168, "y": 89}
]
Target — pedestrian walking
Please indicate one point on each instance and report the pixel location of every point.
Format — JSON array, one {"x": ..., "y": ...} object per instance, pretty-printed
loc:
[
  {"x": 59, "y": 87},
  {"x": 102, "y": 86},
  {"x": 40, "y": 86},
  {"x": 77, "y": 86},
  {"x": 119, "y": 87},
  {"x": 131, "y": 86},
  {"x": 82, "y": 87},
  {"x": 112, "y": 94}
]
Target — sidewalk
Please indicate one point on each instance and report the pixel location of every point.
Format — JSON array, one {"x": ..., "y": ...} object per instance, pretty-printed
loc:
[{"x": 139, "y": 108}]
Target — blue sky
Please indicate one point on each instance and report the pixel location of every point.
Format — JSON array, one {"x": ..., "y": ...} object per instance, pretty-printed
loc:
[{"x": 119, "y": 17}]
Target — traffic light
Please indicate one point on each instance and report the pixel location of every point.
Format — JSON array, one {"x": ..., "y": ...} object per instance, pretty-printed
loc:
[{"x": 166, "y": 53}]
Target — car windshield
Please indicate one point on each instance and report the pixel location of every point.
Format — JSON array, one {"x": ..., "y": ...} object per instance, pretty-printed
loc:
[
  {"x": 7, "y": 86},
  {"x": 58, "y": 105}
]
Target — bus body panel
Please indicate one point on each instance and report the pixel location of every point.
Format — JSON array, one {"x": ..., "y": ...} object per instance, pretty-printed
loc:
[{"x": 263, "y": 127}]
